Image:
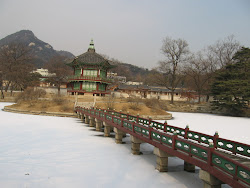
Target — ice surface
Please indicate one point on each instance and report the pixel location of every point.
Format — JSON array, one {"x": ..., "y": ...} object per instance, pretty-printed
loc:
[
  {"x": 51, "y": 152},
  {"x": 232, "y": 128}
]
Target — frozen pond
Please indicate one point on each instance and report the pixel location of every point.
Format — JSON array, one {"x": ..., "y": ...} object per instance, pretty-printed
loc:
[
  {"x": 43, "y": 151},
  {"x": 232, "y": 128}
]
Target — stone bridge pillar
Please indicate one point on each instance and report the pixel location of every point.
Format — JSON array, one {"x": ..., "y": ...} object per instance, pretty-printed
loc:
[
  {"x": 161, "y": 160},
  {"x": 135, "y": 146},
  {"x": 189, "y": 167},
  {"x": 118, "y": 135},
  {"x": 98, "y": 126},
  {"x": 91, "y": 121},
  {"x": 86, "y": 119},
  {"x": 209, "y": 180},
  {"x": 106, "y": 129},
  {"x": 82, "y": 117}
]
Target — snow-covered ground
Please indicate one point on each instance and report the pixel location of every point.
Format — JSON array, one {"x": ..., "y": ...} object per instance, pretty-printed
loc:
[{"x": 51, "y": 152}]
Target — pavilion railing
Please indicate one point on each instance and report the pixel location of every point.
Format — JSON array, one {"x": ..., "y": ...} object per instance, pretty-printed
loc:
[{"x": 91, "y": 78}]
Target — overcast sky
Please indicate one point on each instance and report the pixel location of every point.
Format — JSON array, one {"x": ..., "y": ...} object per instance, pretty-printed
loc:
[{"x": 129, "y": 30}]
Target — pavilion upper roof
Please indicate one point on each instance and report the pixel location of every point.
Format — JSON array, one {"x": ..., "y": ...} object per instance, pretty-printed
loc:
[{"x": 90, "y": 58}]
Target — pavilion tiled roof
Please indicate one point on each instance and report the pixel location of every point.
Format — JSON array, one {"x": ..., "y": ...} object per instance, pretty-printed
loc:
[{"x": 90, "y": 58}]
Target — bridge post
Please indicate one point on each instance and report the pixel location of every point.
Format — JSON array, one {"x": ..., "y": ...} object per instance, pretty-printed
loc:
[
  {"x": 92, "y": 121},
  {"x": 82, "y": 117},
  {"x": 189, "y": 167},
  {"x": 161, "y": 160},
  {"x": 86, "y": 119},
  {"x": 209, "y": 180},
  {"x": 124, "y": 135},
  {"x": 98, "y": 126},
  {"x": 135, "y": 146},
  {"x": 111, "y": 128},
  {"x": 118, "y": 135},
  {"x": 106, "y": 129}
]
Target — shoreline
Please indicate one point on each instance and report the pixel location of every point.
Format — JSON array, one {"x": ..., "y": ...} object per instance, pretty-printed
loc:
[
  {"x": 43, "y": 113},
  {"x": 63, "y": 114}
]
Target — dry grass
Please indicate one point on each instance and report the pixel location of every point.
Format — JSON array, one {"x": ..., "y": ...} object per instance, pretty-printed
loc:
[
  {"x": 125, "y": 108},
  {"x": 30, "y": 94},
  {"x": 33, "y": 100},
  {"x": 8, "y": 97},
  {"x": 147, "y": 107},
  {"x": 45, "y": 105}
]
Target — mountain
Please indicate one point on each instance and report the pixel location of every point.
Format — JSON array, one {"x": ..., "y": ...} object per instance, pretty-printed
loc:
[
  {"x": 41, "y": 50},
  {"x": 131, "y": 72},
  {"x": 66, "y": 54}
]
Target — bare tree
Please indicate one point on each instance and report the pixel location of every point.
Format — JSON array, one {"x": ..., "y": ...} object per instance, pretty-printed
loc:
[
  {"x": 29, "y": 80},
  {"x": 57, "y": 65},
  {"x": 15, "y": 64},
  {"x": 198, "y": 72},
  {"x": 176, "y": 52},
  {"x": 1, "y": 84},
  {"x": 221, "y": 53}
]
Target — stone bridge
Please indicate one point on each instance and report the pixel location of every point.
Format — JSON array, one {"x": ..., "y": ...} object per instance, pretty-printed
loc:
[{"x": 221, "y": 161}]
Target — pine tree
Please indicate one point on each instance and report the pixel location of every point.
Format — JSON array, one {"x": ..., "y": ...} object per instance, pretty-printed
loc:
[{"x": 231, "y": 88}]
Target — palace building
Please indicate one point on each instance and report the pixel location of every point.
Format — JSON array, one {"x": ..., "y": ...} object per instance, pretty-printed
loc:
[{"x": 90, "y": 74}]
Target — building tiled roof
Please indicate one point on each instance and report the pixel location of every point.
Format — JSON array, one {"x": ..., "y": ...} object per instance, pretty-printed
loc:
[
  {"x": 133, "y": 87},
  {"x": 159, "y": 89},
  {"x": 149, "y": 88}
]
